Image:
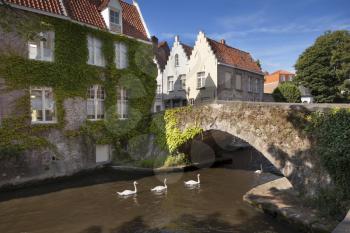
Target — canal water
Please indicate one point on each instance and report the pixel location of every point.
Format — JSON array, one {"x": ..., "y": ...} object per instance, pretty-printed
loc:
[{"x": 216, "y": 206}]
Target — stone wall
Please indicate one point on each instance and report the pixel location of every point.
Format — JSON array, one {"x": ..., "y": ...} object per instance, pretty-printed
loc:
[{"x": 276, "y": 130}]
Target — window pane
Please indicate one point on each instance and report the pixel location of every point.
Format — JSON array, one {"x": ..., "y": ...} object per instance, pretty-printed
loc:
[
  {"x": 33, "y": 50},
  {"x": 227, "y": 80},
  {"x": 123, "y": 56},
  {"x": 117, "y": 55},
  {"x": 36, "y": 105},
  {"x": 100, "y": 109},
  {"x": 50, "y": 111},
  {"x": 238, "y": 82},
  {"x": 47, "y": 40},
  {"x": 91, "y": 109}
]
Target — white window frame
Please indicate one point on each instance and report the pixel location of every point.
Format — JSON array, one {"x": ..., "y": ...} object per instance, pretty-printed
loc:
[
  {"x": 170, "y": 83},
  {"x": 96, "y": 102},
  {"x": 95, "y": 46},
  {"x": 121, "y": 55},
  {"x": 182, "y": 79},
  {"x": 43, "y": 104},
  {"x": 122, "y": 103},
  {"x": 110, "y": 16},
  {"x": 39, "y": 46},
  {"x": 201, "y": 80}
]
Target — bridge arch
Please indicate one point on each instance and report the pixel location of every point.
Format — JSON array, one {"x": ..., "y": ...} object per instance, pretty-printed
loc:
[{"x": 275, "y": 130}]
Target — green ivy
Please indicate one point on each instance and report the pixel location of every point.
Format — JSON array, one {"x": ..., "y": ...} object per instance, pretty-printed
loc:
[
  {"x": 332, "y": 133},
  {"x": 166, "y": 127},
  {"x": 70, "y": 76}
]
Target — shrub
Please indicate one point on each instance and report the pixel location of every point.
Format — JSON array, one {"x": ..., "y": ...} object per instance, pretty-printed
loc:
[
  {"x": 176, "y": 160},
  {"x": 287, "y": 92}
]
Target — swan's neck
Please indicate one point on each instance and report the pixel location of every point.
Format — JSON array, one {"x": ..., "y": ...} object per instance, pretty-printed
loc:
[
  {"x": 165, "y": 184},
  {"x": 198, "y": 180},
  {"x": 135, "y": 188},
  {"x": 261, "y": 167}
]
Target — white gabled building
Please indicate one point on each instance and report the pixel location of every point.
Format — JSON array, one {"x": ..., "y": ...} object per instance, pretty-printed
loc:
[
  {"x": 218, "y": 71},
  {"x": 175, "y": 75}
]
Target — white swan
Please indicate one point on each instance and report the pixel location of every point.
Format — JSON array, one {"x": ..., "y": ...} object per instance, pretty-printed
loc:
[
  {"x": 128, "y": 192},
  {"x": 259, "y": 171},
  {"x": 160, "y": 188},
  {"x": 192, "y": 182}
]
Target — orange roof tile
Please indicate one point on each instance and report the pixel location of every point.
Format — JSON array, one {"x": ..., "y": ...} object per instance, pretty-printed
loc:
[
  {"x": 89, "y": 12},
  {"x": 232, "y": 56},
  {"x": 51, "y": 6}
]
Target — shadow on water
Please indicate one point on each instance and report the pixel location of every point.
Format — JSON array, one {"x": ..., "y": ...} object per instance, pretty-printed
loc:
[
  {"x": 189, "y": 224},
  {"x": 82, "y": 179}
]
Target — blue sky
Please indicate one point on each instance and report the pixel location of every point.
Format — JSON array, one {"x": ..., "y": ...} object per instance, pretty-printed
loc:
[{"x": 274, "y": 31}]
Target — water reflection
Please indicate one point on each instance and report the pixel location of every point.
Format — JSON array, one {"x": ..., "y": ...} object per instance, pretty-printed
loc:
[{"x": 214, "y": 206}]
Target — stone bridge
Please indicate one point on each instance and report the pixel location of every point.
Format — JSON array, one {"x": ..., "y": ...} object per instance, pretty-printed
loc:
[{"x": 276, "y": 130}]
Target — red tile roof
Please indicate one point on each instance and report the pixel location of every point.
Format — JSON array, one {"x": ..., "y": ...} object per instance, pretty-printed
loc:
[
  {"x": 162, "y": 54},
  {"x": 89, "y": 12},
  {"x": 283, "y": 72},
  {"x": 51, "y": 6},
  {"x": 232, "y": 56},
  {"x": 188, "y": 50},
  {"x": 132, "y": 23},
  {"x": 85, "y": 11}
]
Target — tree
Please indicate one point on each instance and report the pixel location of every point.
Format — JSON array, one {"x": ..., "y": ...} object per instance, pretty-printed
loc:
[
  {"x": 287, "y": 92},
  {"x": 325, "y": 66},
  {"x": 258, "y": 62}
]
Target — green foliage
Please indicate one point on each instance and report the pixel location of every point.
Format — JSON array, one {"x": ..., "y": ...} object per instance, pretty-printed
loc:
[
  {"x": 287, "y": 92},
  {"x": 166, "y": 127},
  {"x": 324, "y": 66},
  {"x": 332, "y": 133},
  {"x": 70, "y": 76},
  {"x": 152, "y": 163},
  {"x": 177, "y": 160}
]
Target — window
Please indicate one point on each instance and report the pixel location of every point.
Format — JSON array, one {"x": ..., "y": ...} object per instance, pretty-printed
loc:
[
  {"x": 227, "y": 81},
  {"x": 200, "y": 80},
  {"x": 170, "y": 83},
  {"x": 183, "y": 82},
  {"x": 158, "y": 108},
  {"x": 95, "y": 102},
  {"x": 42, "y": 48},
  {"x": 102, "y": 153},
  {"x": 192, "y": 102},
  {"x": 238, "y": 81},
  {"x": 251, "y": 84},
  {"x": 256, "y": 86},
  {"x": 43, "y": 106},
  {"x": 95, "y": 52},
  {"x": 177, "y": 60},
  {"x": 291, "y": 78},
  {"x": 122, "y": 102},
  {"x": 121, "y": 56},
  {"x": 283, "y": 78},
  {"x": 114, "y": 17},
  {"x": 159, "y": 89}
]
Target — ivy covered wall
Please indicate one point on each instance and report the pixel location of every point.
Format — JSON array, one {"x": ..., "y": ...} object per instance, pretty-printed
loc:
[{"x": 70, "y": 77}]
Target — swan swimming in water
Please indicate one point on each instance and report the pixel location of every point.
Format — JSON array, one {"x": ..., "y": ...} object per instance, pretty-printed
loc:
[
  {"x": 128, "y": 192},
  {"x": 192, "y": 182},
  {"x": 160, "y": 188},
  {"x": 259, "y": 171}
]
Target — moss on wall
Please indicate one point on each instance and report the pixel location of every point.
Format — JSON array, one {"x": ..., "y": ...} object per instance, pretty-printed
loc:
[
  {"x": 166, "y": 127},
  {"x": 70, "y": 76}
]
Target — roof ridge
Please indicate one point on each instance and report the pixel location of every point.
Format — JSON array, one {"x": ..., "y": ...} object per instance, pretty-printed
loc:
[{"x": 228, "y": 46}]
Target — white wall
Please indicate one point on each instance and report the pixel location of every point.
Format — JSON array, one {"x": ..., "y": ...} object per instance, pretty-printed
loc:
[
  {"x": 175, "y": 71},
  {"x": 202, "y": 60}
]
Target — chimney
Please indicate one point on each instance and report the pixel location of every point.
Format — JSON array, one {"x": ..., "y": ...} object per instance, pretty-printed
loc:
[
  {"x": 177, "y": 38},
  {"x": 223, "y": 41},
  {"x": 155, "y": 43}
]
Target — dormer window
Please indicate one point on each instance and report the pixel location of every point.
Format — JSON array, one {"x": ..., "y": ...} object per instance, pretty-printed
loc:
[{"x": 114, "y": 17}]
